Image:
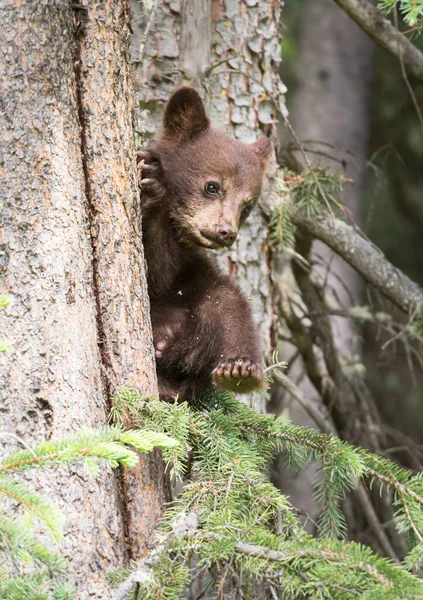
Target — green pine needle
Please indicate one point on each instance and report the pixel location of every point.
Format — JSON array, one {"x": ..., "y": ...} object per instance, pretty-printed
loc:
[
  {"x": 230, "y": 519},
  {"x": 411, "y": 10},
  {"x": 21, "y": 549}
]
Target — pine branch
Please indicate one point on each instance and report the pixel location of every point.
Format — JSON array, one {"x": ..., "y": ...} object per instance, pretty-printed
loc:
[
  {"x": 110, "y": 444},
  {"x": 35, "y": 586},
  {"x": 297, "y": 561},
  {"x": 302, "y": 205},
  {"x": 238, "y": 526},
  {"x": 22, "y": 545},
  {"x": 372, "y": 21},
  {"x": 34, "y": 503},
  {"x": 20, "y": 548}
]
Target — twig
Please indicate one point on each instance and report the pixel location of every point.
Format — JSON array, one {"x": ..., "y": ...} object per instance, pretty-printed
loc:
[
  {"x": 416, "y": 28},
  {"x": 373, "y": 22},
  {"x": 401, "y": 332},
  {"x": 321, "y": 380},
  {"x": 314, "y": 412},
  {"x": 374, "y": 523},
  {"x": 18, "y": 439},
  {"x": 308, "y": 163},
  {"x": 147, "y": 31},
  {"x": 347, "y": 242},
  {"x": 279, "y": 556},
  {"x": 218, "y": 63}
]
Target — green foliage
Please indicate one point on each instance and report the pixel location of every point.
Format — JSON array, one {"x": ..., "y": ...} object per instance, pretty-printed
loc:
[
  {"x": 31, "y": 566},
  {"x": 34, "y": 504},
  {"x": 5, "y": 300},
  {"x": 315, "y": 188},
  {"x": 117, "y": 576},
  {"x": 236, "y": 527},
  {"x": 414, "y": 560},
  {"x": 411, "y": 10},
  {"x": 312, "y": 190},
  {"x": 36, "y": 586},
  {"x": 5, "y": 345}
]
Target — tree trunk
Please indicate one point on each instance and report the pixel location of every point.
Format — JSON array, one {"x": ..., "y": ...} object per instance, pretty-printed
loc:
[
  {"x": 73, "y": 261},
  {"x": 120, "y": 288},
  {"x": 230, "y": 52}
]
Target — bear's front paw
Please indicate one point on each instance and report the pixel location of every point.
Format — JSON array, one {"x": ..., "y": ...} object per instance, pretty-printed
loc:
[
  {"x": 150, "y": 174},
  {"x": 239, "y": 374}
]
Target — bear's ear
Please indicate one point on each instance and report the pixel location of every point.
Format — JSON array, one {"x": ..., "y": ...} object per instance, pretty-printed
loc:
[
  {"x": 184, "y": 115},
  {"x": 263, "y": 148}
]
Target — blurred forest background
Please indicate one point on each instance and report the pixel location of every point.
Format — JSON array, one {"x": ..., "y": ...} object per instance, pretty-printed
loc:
[
  {"x": 355, "y": 109},
  {"x": 366, "y": 111}
]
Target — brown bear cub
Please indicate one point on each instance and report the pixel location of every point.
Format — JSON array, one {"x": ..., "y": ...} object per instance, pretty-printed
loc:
[{"x": 198, "y": 187}]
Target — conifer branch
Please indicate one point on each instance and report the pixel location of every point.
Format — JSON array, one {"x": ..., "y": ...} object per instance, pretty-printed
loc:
[
  {"x": 233, "y": 521},
  {"x": 20, "y": 549},
  {"x": 373, "y": 22}
]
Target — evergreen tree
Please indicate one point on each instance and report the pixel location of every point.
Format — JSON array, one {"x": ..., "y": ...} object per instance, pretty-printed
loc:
[{"x": 240, "y": 533}]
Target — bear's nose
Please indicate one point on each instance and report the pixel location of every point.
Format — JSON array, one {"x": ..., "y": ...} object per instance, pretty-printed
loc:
[{"x": 226, "y": 234}]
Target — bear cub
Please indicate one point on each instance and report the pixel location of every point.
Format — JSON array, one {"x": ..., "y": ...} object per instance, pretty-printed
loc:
[{"x": 198, "y": 187}]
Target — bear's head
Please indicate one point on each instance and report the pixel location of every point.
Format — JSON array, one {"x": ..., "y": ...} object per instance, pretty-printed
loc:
[{"x": 213, "y": 180}]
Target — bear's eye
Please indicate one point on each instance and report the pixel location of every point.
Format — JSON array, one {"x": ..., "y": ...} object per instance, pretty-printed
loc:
[
  {"x": 212, "y": 188},
  {"x": 246, "y": 211}
]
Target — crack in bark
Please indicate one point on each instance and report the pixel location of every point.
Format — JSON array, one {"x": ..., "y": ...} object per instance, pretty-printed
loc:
[
  {"x": 91, "y": 209},
  {"x": 122, "y": 486}
]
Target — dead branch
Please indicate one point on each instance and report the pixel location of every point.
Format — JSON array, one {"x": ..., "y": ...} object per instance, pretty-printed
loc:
[
  {"x": 365, "y": 258},
  {"x": 312, "y": 410},
  {"x": 373, "y": 22}
]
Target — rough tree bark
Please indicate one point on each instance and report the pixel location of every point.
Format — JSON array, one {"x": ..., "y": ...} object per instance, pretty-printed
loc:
[
  {"x": 108, "y": 146},
  {"x": 230, "y": 51},
  {"x": 73, "y": 261}
]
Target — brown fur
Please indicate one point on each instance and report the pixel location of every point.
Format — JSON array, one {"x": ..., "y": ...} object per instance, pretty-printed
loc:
[{"x": 202, "y": 323}]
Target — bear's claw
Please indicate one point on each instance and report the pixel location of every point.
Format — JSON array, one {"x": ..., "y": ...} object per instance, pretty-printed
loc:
[
  {"x": 150, "y": 174},
  {"x": 239, "y": 374}
]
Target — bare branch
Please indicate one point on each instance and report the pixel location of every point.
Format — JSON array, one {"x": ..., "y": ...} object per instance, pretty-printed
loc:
[
  {"x": 365, "y": 258},
  {"x": 372, "y": 21},
  {"x": 374, "y": 523},
  {"x": 307, "y": 405}
]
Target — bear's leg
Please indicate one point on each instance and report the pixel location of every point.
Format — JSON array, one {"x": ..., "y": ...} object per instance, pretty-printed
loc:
[{"x": 223, "y": 330}]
